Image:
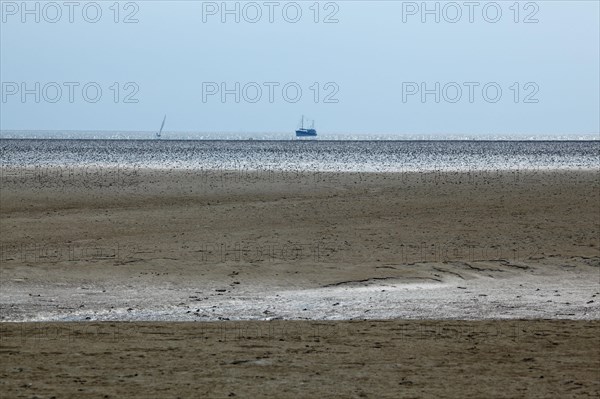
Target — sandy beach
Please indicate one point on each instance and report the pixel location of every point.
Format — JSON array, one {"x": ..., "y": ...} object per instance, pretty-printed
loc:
[
  {"x": 302, "y": 359},
  {"x": 312, "y": 199},
  {"x": 363, "y": 252}
]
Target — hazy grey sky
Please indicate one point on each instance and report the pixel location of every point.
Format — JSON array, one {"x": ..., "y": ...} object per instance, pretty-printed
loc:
[{"x": 366, "y": 68}]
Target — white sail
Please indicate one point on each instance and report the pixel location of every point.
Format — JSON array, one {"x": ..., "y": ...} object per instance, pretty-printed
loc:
[{"x": 161, "y": 126}]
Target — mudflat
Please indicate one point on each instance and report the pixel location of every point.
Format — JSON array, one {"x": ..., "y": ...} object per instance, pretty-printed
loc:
[
  {"x": 471, "y": 284},
  {"x": 142, "y": 244}
]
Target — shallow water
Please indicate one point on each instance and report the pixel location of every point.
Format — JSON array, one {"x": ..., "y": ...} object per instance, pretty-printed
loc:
[{"x": 358, "y": 156}]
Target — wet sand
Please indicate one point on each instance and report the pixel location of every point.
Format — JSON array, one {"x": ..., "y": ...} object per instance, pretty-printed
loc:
[
  {"x": 302, "y": 359},
  {"x": 102, "y": 244},
  {"x": 173, "y": 245}
]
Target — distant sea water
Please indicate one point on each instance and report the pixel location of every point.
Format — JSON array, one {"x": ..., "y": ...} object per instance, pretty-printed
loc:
[
  {"x": 320, "y": 155},
  {"x": 284, "y": 136}
]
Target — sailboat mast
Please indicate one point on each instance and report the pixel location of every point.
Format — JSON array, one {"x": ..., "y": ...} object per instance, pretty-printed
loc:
[{"x": 161, "y": 127}]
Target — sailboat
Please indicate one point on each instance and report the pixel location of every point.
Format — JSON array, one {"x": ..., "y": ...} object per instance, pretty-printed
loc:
[
  {"x": 306, "y": 132},
  {"x": 158, "y": 134}
]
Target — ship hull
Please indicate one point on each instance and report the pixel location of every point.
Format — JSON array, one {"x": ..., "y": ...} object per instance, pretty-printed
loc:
[{"x": 306, "y": 133}]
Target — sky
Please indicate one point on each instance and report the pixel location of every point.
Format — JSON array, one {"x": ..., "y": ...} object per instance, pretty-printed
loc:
[{"x": 356, "y": 67}]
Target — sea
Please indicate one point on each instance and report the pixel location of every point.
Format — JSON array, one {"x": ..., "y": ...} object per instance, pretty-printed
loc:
[{"x": 303, "y": 155}]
